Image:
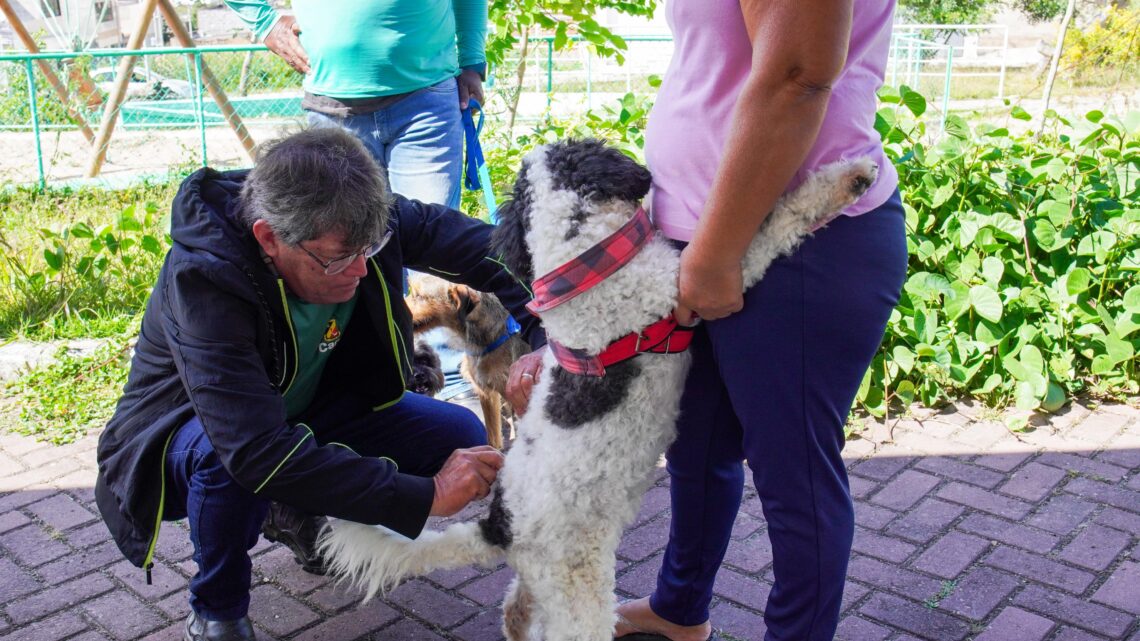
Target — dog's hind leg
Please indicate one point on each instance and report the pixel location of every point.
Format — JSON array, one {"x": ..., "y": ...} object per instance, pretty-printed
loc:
[
  {"x": 492, "y": 404},
  {"x": 517, "y": 609},
  {"x": 575, "y": 601}
]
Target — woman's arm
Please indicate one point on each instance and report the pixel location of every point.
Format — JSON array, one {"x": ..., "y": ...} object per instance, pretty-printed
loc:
[{"x": 799, "y": 48}]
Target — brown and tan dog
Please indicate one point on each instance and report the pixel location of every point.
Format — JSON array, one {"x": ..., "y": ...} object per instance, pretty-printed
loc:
[{"x": 478, "y": 323}]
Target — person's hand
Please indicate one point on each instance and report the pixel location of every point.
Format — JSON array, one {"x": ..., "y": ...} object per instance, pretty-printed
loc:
[
  {"x": 283, "y": 41},
  {"x": 709, "y": 288},
  {"x": 466, "y": 476},
  {"x": 525, "y": 373},
  {"x": 470, "y": 86}
]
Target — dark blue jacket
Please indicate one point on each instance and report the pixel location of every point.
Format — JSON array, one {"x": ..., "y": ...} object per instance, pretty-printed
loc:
[{"x": 215, "y": 343}]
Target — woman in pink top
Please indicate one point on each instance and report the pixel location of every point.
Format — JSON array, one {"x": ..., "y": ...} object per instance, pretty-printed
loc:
[{"x": 758, "y": 94}]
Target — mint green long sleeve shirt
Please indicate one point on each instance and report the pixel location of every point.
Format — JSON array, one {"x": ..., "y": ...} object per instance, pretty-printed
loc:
[{"x": 372, "y": 48}]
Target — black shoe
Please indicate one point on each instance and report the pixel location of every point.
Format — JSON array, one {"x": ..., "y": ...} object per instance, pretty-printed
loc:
[
  {"x": 298, "y": 531},
  {"x": 199, "y": 629}
]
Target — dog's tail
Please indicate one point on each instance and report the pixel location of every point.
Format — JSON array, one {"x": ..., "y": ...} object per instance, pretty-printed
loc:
[{"x": 375, "y": 559}]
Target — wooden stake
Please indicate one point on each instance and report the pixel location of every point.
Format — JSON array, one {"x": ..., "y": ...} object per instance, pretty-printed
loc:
[
  {"x": 46, "y": 70},
  {"x": 119, "y": 91},
  {"x": 208, "y": 79}
]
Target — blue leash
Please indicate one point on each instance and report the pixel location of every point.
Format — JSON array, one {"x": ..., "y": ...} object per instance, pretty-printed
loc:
[{"x": 475, "y": 175}]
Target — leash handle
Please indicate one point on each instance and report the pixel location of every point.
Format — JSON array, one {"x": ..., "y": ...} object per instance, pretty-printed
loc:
[{"x": 476, "y": 175}]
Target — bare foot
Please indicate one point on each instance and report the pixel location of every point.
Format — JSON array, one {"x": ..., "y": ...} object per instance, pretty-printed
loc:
[{"x": 637, "y": 616}]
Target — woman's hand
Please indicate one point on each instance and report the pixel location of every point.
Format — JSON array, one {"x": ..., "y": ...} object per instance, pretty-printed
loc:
[
  {"x": 709, "y": 288},
  {"x": 525, "y": 373}
]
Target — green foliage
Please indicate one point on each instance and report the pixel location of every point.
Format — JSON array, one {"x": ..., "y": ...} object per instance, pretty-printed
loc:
[
  {"x": 1024, "y": 251},
  {"x": 947, "y": 11},
  {"x": 1041, "y": 10},
  {"x": 1113, "y": 43},
  {"x": 80, "y": 278},
  {"x": 62, "y": 401},
  {"x": 514, "y": 20}
]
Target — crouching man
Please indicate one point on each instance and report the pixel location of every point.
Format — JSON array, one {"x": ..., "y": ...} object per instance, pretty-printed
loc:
[{"x": 271, "y": 366}]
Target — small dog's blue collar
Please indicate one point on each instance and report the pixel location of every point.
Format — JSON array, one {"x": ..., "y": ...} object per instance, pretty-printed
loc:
[{"x": 513, "y": 328}]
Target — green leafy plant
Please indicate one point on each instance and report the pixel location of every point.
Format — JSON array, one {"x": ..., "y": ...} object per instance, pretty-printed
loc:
[
  {"x": 1024, "y": 252},
  {"x": 62, "y": 401}
]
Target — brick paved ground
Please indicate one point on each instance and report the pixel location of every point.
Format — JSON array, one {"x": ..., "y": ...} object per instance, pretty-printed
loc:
[{"x": 964, "y": 532}]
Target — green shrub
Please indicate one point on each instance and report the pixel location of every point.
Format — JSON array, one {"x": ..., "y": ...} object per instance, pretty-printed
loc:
[
  {"x": 1024, "y": 252},
  {"x": 1113, "y": 43}
]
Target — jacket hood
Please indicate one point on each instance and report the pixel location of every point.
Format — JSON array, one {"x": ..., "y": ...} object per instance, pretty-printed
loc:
[{"x": 205, "y": 215}]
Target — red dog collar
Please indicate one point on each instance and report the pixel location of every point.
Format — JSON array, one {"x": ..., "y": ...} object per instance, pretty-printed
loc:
[
  {"x": 663, "y": 337},
  {"x": 593, "y": 265}
]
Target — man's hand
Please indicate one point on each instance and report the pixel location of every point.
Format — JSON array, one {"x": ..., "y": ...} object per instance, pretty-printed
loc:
[
  {"x": 525, "y": 373},
  {"x": 709, "y": 289},
  {"x": 466, "y": 476},
  {"x": 283, "y": 41},
  {"x": 470, "y": 86}
]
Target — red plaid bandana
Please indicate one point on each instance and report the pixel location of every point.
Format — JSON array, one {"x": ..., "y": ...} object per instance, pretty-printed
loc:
[
  {"x": 663, "y": 337},
  {"x": 593, "y": 265}
]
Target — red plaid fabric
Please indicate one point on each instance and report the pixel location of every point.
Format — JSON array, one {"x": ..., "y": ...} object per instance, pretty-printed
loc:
[
  {"x": 593, "y": 265},
  {"x": 663, "y": 337}
]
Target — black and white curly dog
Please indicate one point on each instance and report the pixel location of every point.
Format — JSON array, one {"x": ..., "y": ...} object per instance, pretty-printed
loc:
[{"x": 587, "y": 445}]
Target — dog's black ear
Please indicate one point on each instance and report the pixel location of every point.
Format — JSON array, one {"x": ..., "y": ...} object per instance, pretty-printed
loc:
[
  {"x": 596, "y": 171},
  {"x": 508, "y": 241}
]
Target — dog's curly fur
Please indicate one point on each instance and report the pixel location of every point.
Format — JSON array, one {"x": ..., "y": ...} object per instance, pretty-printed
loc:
[
  {"x": 475, "y": 320},
  {"x": 586, "y": 445}
]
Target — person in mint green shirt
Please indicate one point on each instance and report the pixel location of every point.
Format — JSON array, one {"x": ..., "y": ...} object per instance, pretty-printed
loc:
[{"x": 396, "y": 73}]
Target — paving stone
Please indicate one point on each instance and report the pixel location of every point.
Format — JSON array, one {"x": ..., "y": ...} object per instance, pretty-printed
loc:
[
  {"x": 9, "y": 465},
  {"x": 1004, "y": 461},
  {"x": 927, "y": 444},
  {"x": 981, "y": 435},
  {"x": 12, "y": 520},
  {"x": 951, "y": 554},
  {"x": 1009, "y": 533},
  {"x": 356, "y": 623},
  {"x": 175, "y": 606},
  {"x": 53, "y": 628},
  {"x": 56, "y": 598},
  {"x": 174, "y": 542},
  {"x": 751, "y": 555},
  {"x": 488, "y": 626},
  {"x": 853, "y": 628},
  {"x": 280, "y": 566},
  {"x": 984, "y": 500},
  {"x": 32, "y": 546},
  {"x": 1062, "y": 514},
  {"x": 88, "y": 535},
  {"x": 1119, "y": 519},
  {"x": 90, "y": 635},
  {"x": 882, "y": 469},
  {"x": 1083, "y": 465},
  {"x": 1015, "y": 623},
  {"x": 954, "y": 468},
  {"x": 644, "y": 540},
  {"x": 1074, "y": 634},
  {"x": 1040, "y": 569},
  {"x": 1033, "y": 482},
  {"x": 407, "y": 630},
  {"x": 873, "y": 516},
  {"x": 917, "y": 619},
  {"x": 743, "y": 527},
  {"x": 1126, "y": 457},
  {"x": 82, "y": 561},
  {"x": 277, "y": 612},
  {"x": 883, "y": 547},
  {"x": 653, "y": 502},
  {"x": 852, "y": 593},
  {"x": 454, "y": 578},
  {"x": 1083, "y": 614},
  {"x": 121, "y": 614},
  {"x": 1096, "y": 547},
  {"x": 15, "y": 582},
  {"x": 335, "y": 597},
  {"x": 491, "y": 589},
  {"x": 427, "y": 601},
  {"x": 737, "y": 621},
  {"x": 857, "y": 450},
  {"x": 641, "y": 579},
  {"x": 926, "y": 521},
  {"x": 861, "y": 488},
  {"x": 978, "y": 593},
  {"x": 1100, "y": 427},
  {"x": 741, "y": 588},
  {"x": 1120, "y": 590},
  {"x": 1105, "y": 493},
  {"x": 906, "y": 489},
  {"x": 893, "y": 578}
]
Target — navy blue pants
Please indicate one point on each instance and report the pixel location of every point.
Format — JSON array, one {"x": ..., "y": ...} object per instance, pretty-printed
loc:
[
  {"x": 773, "y": 384},
  {"x": 419, "y": 433}
]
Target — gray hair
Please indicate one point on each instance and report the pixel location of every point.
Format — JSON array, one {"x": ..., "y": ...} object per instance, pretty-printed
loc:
[{"x": 317, "y": 181}]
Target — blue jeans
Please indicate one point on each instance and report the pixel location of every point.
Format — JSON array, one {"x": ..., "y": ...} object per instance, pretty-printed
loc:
[
  {"x": 418, "y": 141},
  {"x": 419, "y": 433},
  {"x": 773, "y": 384}
]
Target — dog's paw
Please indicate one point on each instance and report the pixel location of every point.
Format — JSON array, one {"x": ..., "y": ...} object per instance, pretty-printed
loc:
[{"x": 861, "y": 175}]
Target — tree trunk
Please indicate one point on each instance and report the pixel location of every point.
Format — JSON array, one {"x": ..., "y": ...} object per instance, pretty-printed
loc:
[
  {"x": 1057, "y": 54},
  {"x": 520, "y": 73}
]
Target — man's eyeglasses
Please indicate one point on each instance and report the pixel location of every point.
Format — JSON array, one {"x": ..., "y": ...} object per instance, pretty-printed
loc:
[{"x": 338, "y": 265}]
